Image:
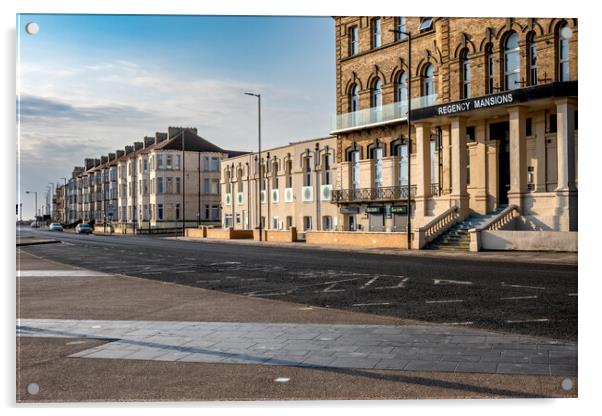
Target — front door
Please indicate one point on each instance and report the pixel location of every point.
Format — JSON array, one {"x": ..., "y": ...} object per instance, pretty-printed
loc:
[
  {"x": 352, "y": 223},
  {"x": 501, "y": 132}
]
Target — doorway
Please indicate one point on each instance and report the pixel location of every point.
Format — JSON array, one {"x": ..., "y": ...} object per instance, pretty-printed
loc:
[
  {"x": 501, "y": 132},
  {"x": 352, "y": 223}
]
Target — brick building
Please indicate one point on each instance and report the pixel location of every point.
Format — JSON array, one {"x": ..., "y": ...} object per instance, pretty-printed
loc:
[{"x": 494, "y": 120}]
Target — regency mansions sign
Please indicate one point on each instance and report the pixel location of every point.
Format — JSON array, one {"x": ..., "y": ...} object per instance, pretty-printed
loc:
[{"x": 507, "y": 98}]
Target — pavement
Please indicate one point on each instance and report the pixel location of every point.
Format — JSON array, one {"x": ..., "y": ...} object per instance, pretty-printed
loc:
[{"x": 85, "y": 335}]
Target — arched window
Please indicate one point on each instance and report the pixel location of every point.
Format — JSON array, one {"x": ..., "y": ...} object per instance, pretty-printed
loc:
[
  {"x": 563, "y": 53},
  {"x": 401, "y": 88},
  {"x": 377, "y": 99},
  {"x": 428, "y": 85},
  {"x": 307, "y": 171},
  {"x": 511, "y": 62},
  {"x": 354, "y": 98},
  {"x": 490, "y": 69},
  {"x": 465, "y": 74},
  {"x": 532, "y": 59}
]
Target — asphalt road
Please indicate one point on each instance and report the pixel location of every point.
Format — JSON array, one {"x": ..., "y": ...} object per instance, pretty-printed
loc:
[{"x": 534, "y": 299}]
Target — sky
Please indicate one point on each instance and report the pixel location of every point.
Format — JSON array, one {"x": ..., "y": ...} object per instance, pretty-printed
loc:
[{"x": 90, "y": 84}]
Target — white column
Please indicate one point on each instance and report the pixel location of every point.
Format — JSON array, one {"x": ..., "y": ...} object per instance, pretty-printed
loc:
[
  {"x": 423, "y": 167},
  {"x": 459, "y": 154},
  {"x": 518, "y": 155},
  {"x": 565, "y": 139}
]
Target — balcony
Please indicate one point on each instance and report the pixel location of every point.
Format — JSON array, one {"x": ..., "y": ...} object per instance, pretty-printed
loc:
[
  {"x": 387, "y": 193},
  {"x": 377, "y": 116}
]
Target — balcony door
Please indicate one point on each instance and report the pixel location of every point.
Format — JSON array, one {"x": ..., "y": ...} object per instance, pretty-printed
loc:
[
  {"x": 402, "y": 164},
  {"x": 355, "y": 170},
  {"x": 378, "y": 167}
]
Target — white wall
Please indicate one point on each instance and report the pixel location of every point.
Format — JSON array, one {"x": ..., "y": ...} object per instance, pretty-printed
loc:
[{"x": 530, "y": 240}]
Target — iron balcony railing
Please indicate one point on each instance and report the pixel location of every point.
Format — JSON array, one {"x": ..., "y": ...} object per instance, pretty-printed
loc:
[
  {"x": 387, "y": 193},
  {"x": 379, "y": 115}
]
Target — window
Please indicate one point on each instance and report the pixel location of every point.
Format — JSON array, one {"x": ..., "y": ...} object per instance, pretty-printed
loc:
[
  {"x": 327, "y": 172},
  {"x": 177, "y": 185},
  {"x": 354, "y": 98},
  {"x": 215, "y": 186},
  {"x": 215, "y": 212},
  {"x": 401, "y": 88},
  {"x": 376, "y": 38},
  {"x": 326, "y": 223},
  {"x": 428, "y": 84},
  {"x": 470, "y": 133},
  {"x": 307, "y": 171},
  {"x": 426, "y": 23},
  {"x": 145, "y": 162},
  {"x": 206, "y": 163},
  {"x": 355, "y": 169},
  {"x": 563, "y": 54},
  {"x": 206, "y": 186},
  {"x": 490, "y": 69},
  {"x": 532, "y": 59},
  {"x": 289, "y": 222},
  {"x": 553, "y": 123},
  {"x": 465, "y": 74},
  {"x": 214, "y": 164},
  {"x": 275, "y": 223},
  {"x": 377, "y": 158},
  {"x": 353, "y": 41},
  {"x": 159, "y": 161},
  {"x": 159, "y": 211},
  {"x": 169, "y": 185},
  {"x": 400, "y": 26},
  {"x": 207, "y": 212},
  {"x": 177, "y": 162},
  {"x": 511, "y": 62},
  {"x": 307, "y": 223},
  {"x": 529, "y": 126},
  {"x": 377, "y": 99},
  {"x": 177, "y": 211},
  {"x": 289, "y": 173},
  {"x": 402, "y": 164},
  {"x": 169, "y": 163},
  {"x": 159, "y": 185}
]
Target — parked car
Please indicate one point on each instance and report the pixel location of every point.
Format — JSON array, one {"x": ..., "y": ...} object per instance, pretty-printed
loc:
[
  {"x": 83, "y": 229},
  {"x": 55, "y": 226}
]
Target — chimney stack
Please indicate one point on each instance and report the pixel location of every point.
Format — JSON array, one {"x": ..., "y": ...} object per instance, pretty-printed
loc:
[
  {"x": 119, "y": 153},
  {"x": 129, "y": 149},
  {"x": 138, "y": 145},
  {"x": 159, "y": 137},
  {"x": 103, "y": 160}
]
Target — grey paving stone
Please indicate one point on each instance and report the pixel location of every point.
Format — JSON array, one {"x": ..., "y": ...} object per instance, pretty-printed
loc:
[
  {"x": 313, "y": 361},
  {"x": 461, "y": 358},
  {"x": 523, "y": 368},
  {"x": 476, "y": 367},
  {"x": 467, "y": 339},
  {"x": 563, "y": 370},
  {"x": 201, "y": 358},
  {"x": 419, "y": 365},
  {"x": 392, "y": 363},
  {"x": 360, "y": 362}
]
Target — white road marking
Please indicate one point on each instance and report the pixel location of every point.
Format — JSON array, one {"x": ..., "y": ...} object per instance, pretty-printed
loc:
[
  {"x": 458, "y": 323},
  {"x": 524, "y": 287},
  {"x": 371, "y": 304},
  {"x": 369, "y": 282},
  {"x": 527, "y": 321},
  {"x": 224, "y": 263},
  {"x": 519, "y": 297},
  {"x": 401, "y": 284},
  {"x": 59, "y": 273},
  {"x": 445, "y": 301},
  {"x": 330, "y": 288},
  {"x": 451, "y": 282},
  {"x": 571, "y": 294}
]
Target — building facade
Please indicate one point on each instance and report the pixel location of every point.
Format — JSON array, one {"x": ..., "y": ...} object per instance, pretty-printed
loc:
[
  {"x": 294, "y": 185},
  {"x": 493, "y": 119},
  {"x": 161, "y": 182}
]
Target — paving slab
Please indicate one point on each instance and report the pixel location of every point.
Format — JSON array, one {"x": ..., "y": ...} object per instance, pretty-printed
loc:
[{"x": 217, "y": 342}]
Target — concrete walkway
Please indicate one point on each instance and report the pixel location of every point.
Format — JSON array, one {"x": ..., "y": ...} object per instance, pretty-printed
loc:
[
  {"x": 408, "y": 347},
  {"x": 536, "y": 257}
]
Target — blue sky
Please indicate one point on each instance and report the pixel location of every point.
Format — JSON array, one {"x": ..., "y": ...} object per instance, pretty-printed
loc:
[{"x": 90, "y": 84}]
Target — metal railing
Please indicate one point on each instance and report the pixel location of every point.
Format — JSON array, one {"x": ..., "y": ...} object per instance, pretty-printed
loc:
[
  {"x": 381, "y": 114},
  {"x": 387, "y": 193}
]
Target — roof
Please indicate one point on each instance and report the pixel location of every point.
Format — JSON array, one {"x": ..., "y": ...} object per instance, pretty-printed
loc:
[{"x": 192, "y": 143}]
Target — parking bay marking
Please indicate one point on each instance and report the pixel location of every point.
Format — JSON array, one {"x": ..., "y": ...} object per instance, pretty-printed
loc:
[
  {"x": 523, "y": 287},
  {"x": 451, "y": 282}
]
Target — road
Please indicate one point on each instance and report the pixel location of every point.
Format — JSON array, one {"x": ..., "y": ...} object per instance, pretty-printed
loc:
[{"x": 525, "y": 298}]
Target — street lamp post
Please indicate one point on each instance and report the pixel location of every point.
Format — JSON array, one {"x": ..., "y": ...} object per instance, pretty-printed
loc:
[
  {"x": 409, "y": 120},
  {"x": 183, "y": 184},
  {"x": 35, "y": 215},
  {"x": 259, "y": 160}
]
